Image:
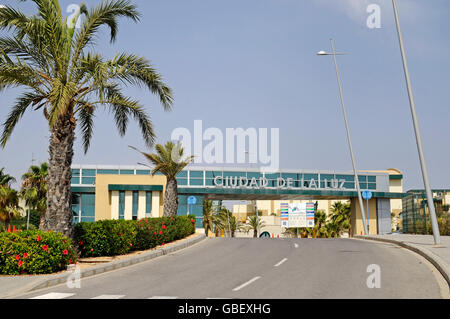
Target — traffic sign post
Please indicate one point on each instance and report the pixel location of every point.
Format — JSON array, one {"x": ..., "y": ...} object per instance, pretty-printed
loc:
[
  {"x": 192, "y": 200},
  {"x": 367, "y": 195}
]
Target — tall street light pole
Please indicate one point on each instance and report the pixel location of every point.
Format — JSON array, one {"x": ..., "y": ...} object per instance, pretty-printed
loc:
[
  {"x": 423, "y": 165},
  {"x": 358, "y": 190}
]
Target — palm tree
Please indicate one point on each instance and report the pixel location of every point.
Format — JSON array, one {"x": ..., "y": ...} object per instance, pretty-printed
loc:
[
  {"x": 169, "y": 161},
  {"x": 224, "y": 220},
  {"x": 207, "y": 216},
  {"x": 63, "y": 78},
  {"x": 252, "y": 222},
  {"x": 341, "y": 215},
  {"x": 9, "y": 204},
  {"x": 34, "y": 189},
  {"x": 5, "y": 179},
  {"x": 320, "y": 219}
]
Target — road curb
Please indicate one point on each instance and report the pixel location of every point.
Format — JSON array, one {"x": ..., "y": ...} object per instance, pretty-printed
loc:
[
  {"x": 437, "y": 262},
  {"x": 113, "y": 265}
]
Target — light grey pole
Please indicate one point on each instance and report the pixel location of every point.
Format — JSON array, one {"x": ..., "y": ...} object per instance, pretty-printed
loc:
[
  {"x": 28, "y": 218},
  {"x": 361, "y": 205},
  {"x": 423, "y": 165}
]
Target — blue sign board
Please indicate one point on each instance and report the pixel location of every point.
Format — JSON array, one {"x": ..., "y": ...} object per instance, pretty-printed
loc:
[
  {"x": 367, "y": 194},
  {"x": 192, "y": 200}
]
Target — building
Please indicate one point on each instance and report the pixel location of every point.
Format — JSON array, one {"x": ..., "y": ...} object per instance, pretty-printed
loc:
[
  {"x": 415, "y": 217},
  {"x": 128, "y": 192}
]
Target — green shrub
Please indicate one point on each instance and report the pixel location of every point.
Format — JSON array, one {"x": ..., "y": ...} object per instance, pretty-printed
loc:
[
  {"x": 34, "y": 252},
  {"x": 118, "y": 237}
]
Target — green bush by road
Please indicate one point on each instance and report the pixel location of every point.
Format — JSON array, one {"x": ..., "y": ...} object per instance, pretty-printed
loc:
[
  {"x": 34, "y": 252},
  {"x": 118, "y": 237}
]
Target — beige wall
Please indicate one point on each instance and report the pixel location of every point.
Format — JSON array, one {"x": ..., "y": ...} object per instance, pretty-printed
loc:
[
  {"x": 103, "y": 197},
  {"x": 356, "y": 219}
]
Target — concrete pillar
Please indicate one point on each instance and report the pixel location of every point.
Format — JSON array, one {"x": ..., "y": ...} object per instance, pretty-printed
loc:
[
  {"x": 128, "y": 213},
  {"x": 114, "y": 204},
  {"x": 155, "y": 204},
  {"x": 141, "y": 205}
]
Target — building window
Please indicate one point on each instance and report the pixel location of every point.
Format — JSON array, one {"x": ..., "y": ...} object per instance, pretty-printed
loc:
[
  {"x": 148, "y": 203},
  {"x": 76, "y": 208},
  {"x": 83, "y": 208},
  {"x": 135, "y": 205},
  {"x": 87, "y": 208},
  {"x": 121, "y": 204}
]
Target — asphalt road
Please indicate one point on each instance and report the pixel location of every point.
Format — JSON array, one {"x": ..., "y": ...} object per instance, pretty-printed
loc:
[{"x": 264, "y": 269}]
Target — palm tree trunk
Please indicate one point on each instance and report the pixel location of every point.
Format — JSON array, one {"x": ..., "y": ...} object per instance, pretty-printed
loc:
[
  {"x": 255, "y": 233},
  {"x": 42, "y": 220},
  {"x": 171, "y": 198},
  {"x": 58, "y": 217}
]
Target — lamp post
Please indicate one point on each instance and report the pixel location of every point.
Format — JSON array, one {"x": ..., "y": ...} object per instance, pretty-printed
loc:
[
  {"x": 423, "y": 165},
  {"x": 361, "y": 205}
]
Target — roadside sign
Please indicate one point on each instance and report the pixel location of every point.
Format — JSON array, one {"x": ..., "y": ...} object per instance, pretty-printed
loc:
[
  {"x": 192, "y": 200},
  {"x": 297, "y": 215},
  {"x": 367, "y": 194},
  {"x": 310, "y": 210},
  {"x": 284, "y": 215},
  {"x": 265, "y": 235}
]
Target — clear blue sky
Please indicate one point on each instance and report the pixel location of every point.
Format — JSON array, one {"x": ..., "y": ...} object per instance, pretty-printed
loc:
[{"x": 253, "y": 63}]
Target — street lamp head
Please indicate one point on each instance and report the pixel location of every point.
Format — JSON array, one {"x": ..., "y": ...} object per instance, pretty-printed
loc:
[{"x": 321, "y": 53}]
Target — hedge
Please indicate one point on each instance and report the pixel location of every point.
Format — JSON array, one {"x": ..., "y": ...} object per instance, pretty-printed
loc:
[
  {"x": 34, "y": 252},
  {"x": 118, "y": 237}
]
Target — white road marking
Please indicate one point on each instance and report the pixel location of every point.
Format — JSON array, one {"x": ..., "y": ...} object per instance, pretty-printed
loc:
[
  {"x": 109, "y": 297},
  {"x": 53, "y": 295},
  {"x": 295, "y": 245},
  {"x": 280, "y": 262},
  {"x": 163, "y": 297},
  {"x": 246, "y": 284},
  {"x": 218, "y": 298}
]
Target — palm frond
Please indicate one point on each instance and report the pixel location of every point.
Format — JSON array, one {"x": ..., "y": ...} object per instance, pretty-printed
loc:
[
  {"x": 86, "y": 125},
  {"x": 17, "y": 111}
]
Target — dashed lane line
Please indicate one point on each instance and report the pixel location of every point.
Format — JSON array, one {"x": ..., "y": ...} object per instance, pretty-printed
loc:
[{"x": 246, "y": 283}]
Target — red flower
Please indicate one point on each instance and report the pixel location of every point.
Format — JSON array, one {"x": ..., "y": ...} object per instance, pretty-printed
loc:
[
  {"x": 164, "y": 227},
  {"x": 81, "y": 243},
  {"x": 131, "y": 245},
  {"x": 19, "y": 263},
  {"x": 161, "y": 232},
  {"x": 149, "y": 228},
  {"x": 146, "y": 221},
  {"x": 92, "y": 249},
  {"x": 38, "y": 238},
  {"x": 45, "y": 247},
  {"x": 65, "y": 252},
  {"x": 193, "y": 220},
  {"x": 162, "y": 244},
  {"x": 17, "y": 257},
  {"x": 154, "y": 233},
  {"x": 25, "y": 255},
  {"x": 70, "y": 261}
]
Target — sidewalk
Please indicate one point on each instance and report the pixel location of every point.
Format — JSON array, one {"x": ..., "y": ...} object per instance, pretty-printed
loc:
[
  {"x": 424, "y": 245},
  {"x": 16, "y": 285}
]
